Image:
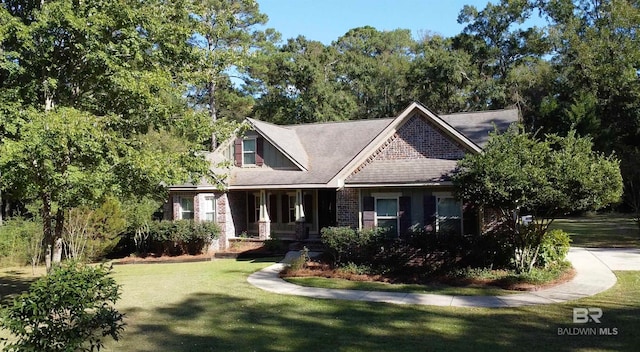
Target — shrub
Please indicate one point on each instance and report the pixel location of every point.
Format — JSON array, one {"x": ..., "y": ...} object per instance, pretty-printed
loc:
[
  {"x": 21, "y": 242},
  {"x": 554, "y": 248},
  {"x": 181, "y": 236},
  {"x": 274, "y": 245},
  {"x": 349, "y": 245},
  {"x": 70, "y": 309}
]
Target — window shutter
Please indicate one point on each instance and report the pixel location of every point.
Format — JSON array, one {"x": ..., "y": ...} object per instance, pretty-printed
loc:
[
  {"x": 237, "y": 149},
  {"x": 470, "y": 220},
  {"x": 307, "y": 205},
  {"x": 405, "y": 214},
  {"x": 430, "y": 213},
  {"x": 273, "y": 207},
  {"x": 284, "y": 206},
  {"x": 259, "y": 151},
  {"x": 251, "y": 207},
  {"x": 368, "y": 212}
]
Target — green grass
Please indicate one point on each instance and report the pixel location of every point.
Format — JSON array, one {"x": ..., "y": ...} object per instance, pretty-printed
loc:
[
  {"x": 602, "y": 230},
  {"x": 413, "y": 288},
  {"x": 209, "y": 306}
]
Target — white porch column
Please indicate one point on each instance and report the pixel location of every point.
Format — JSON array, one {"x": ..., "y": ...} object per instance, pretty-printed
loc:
[
  {"x": 264, "y": 223},
  {"x": 299, "y": 206}
]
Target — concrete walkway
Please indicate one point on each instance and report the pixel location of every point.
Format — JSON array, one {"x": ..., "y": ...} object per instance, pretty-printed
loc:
[{"x": 593, "y": 275}]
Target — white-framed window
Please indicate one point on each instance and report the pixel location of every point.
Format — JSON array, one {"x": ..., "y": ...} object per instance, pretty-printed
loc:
[
  {"x": 386, "y": 208},
  {"x": 292, "y": 207},
  {"x": 249, "y": 148},
  {"x": 186, "y": 208},
  {"x": 448, "y": 214},
  {"x": 209, "y": 208},
  {"x": 256, "y": 206}
]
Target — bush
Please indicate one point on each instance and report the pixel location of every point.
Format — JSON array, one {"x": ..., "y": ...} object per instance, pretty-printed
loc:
[
  {"x": 20, "y": 242},
  {"x": 70, "y": 309},
  {"x": 554, "y": 248},
  {"x": 181, "y": 236},
  {"x": 349, "y": 245}
]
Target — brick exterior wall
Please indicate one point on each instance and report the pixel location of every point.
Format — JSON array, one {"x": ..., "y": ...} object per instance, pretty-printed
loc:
[
  {"x": 347, "y": 207},
  {"x": 418, "y": 138}
]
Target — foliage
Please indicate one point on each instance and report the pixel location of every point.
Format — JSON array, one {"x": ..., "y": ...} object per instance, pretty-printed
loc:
[
  {"x": 71, "y": 309},
  {"x": 90, "y": 234},
  {"x": 519, "y": 174},
  {"x": 554, "y": 248},
  {"x": 21, "y": 241},
  {"x": 181, "y": 236},
  {"x": 139, "y": 214},
  {"x": 82, "y": 83},
  {"x": 349, "y": 245}
]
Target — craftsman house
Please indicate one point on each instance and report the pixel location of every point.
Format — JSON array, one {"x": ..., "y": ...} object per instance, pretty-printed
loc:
[{"x": 291, "y": 181}]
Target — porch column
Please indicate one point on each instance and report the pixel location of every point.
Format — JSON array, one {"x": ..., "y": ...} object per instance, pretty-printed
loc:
[
  {"x": 264, "y": 223},
  {"x": 301, "y": 228}
]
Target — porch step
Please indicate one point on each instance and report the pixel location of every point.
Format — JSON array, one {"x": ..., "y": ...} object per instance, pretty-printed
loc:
[{"x": 311, "y": 244}]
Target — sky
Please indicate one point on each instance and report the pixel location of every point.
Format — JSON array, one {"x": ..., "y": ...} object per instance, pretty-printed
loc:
[{"x": 327, "y": 20}]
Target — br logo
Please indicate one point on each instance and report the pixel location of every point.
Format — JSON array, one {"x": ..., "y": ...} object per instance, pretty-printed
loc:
[{"x": 585, "y": 315}]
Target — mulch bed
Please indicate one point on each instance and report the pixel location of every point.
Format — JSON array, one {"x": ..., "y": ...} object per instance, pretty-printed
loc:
[{"x": 315, "y": 269}]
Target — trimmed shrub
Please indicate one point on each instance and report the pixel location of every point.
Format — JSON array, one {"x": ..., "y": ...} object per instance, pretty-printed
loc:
[
  {"x": 554, "y": 248},
  {"x": 349, "y": 245},
  {"x": 181, "y": 236}
]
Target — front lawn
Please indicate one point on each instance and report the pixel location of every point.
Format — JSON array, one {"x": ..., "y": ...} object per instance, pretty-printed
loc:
[
  {"x": 209, "y": 306},
  {"x": 602, "y": 230}
]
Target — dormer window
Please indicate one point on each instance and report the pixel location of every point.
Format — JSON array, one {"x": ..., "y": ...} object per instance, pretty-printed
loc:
[{"x": 249, "y": 151}]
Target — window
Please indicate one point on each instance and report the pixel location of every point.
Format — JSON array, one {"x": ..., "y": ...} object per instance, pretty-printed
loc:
[
  {"x": 256, "y": 207},
  {"x": 292, "y": 207},
  {"x": 449, "y": 215},
  {"x": 186, "y": 208},
  {"x": 387, "y": 214},
  {"x": 209, "y": 208},
  {"x": 249, "y": 151}
]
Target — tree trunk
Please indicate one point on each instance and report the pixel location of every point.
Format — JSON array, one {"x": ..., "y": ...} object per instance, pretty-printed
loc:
[
  {"x": 46, "y": 228},
  {"x": 57, "y": 246},
  {"x": 213, "y": 112}
]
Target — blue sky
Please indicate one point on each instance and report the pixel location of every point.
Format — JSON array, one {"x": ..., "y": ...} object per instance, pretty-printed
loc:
[{"x": 327, "y": 20}]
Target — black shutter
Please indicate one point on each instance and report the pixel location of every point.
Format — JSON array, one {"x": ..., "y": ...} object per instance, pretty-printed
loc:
[
  {"x": 237, "y": 151},
  {"x": 470, "y": 220},
  {"x": 430, "y": 213},
  {"x": 285, "y": 208},
  {"x": 273, "y": 207},
  {"x": 259, "y": 151},
  {"x": 368, "y": 212},
  {"x": 251, "y": 207},
  {"x": 307, "y": 205},
  {"x": 405, "y": 214}
]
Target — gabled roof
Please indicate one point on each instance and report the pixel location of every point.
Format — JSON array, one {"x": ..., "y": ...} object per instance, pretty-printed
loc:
[
  {"x": 329, "y": 147},
  {"x": 285, "y": 140},
  {"x": 328, "y": 154}
]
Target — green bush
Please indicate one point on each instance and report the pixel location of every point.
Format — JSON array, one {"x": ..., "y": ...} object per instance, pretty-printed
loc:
[
  {"x": 554, "y": 248},
  {"x": 70, "y": 309},
  {"x": 181, "y": 236},
  {"x": 349, "y": 245},
  {"x": 20, "y": 242}
]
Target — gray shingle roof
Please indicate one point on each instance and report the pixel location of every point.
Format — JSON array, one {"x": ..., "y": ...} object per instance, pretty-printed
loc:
[
  {"x": 285, "y": 139},
  {"x": 404, "y": 171},
  {"x": 477, "y": 125},
  {"x": 329, "y": 146},
  {"x": 325, "y": 149}
]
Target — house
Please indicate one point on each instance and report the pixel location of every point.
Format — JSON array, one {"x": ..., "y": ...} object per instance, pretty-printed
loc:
[{"x": 291, "y": 181}]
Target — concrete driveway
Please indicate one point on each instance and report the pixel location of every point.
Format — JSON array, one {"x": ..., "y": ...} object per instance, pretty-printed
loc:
[{"x": 618, "y": 258}]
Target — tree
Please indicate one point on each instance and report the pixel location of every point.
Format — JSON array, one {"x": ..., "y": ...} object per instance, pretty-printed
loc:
[
  {"x": 223, "y": 38},
  {"x": 519, "y": 174},
  {"x": 71, "y": 309},
  {"x": 299, "y": 83},
  {"x": 84, "y": 83},
  {"x": 373, "y": 66}
]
